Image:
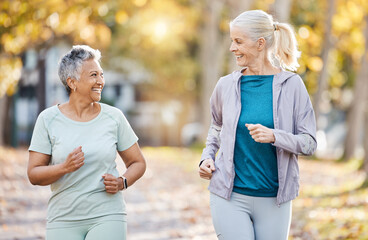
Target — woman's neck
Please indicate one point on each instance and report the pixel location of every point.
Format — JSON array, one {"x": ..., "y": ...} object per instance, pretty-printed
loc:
[
  {"x": 249, "y": 70},
  {"x": 79, "y": 110},
  {"x": 262, "y": 66}
]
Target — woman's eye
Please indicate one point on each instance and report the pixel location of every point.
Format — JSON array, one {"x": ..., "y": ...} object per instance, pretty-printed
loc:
[{"x": 94, "y": 75}]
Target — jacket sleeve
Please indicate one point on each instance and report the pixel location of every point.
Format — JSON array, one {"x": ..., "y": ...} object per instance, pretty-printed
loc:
[
  {"x": 303, "y": 139},
  {"x": 213, "y": 137}
]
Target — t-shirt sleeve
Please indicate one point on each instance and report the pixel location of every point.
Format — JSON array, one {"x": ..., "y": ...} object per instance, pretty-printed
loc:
[
  {"x": 126, "y": 135},
  {"x": 40, "y": 141}
]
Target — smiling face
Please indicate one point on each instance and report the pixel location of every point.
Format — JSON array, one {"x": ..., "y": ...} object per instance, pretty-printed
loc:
[
  {"x": 245, "y": 50},
  {"x": 91, "y": 81}
]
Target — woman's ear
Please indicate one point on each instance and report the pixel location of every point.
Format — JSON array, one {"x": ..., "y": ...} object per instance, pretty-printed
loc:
[
  {"x": 71, "y": 84},
  {"x": 261, "y": 43}
]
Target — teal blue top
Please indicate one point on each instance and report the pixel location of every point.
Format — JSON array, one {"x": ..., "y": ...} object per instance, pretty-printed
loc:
[
  {"x": 255, "y": 163},
  {"x": 81, "y": 195}
]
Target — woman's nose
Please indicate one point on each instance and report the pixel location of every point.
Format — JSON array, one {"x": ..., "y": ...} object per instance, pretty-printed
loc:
[
  {"x": 100, "y": 80},
  {"x": 232, "y": 47}
]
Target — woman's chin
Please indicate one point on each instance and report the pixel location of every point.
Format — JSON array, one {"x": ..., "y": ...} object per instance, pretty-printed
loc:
[
  {"x": 96, "y": 99},
  {"x": 240, "y": 63}
]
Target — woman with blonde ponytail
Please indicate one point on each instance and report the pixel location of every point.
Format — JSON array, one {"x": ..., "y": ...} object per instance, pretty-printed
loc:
[
  {"x": 262, "y": 119},
  {"x": 286, "y": 51}
]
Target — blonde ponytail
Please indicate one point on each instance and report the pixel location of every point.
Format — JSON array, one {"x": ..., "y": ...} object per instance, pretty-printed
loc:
[
  {"x": 280, "y": 37},
  {"x": 286, "y": 46}
]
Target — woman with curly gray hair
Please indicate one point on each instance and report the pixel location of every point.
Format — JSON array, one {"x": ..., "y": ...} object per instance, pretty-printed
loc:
[{"x": 73, "y": 149}]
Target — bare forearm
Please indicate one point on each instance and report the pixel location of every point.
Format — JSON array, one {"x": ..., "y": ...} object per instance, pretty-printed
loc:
[
  {"x": 41, "y": 173},
  {"x": 134, "y": 172},
  {"x": 46, "y": 175}
]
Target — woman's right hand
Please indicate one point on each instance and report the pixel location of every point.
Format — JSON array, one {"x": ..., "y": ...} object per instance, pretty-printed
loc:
[
  {"x": 206, "y": 168},
  {"x": 74, "y": 161},
  {"x": 40, "y": 172}
]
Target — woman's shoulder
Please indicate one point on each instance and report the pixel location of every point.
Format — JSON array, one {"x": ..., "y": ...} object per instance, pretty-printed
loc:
[
  {"x": 233, "y": 76},
  {"x": 49, "y": 112},
  {"x": 295, "y": 84},
  {"x": 111, "y": 111},
  {"x": 48, "y": 115},
  {"x": 290, "y": 79},
  {"x": 107, "y": 107},
  {"x": 229, "y": 78}
]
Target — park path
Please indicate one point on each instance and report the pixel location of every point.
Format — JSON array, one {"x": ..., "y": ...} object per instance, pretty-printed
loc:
[
  {"x": 167, "y": 203},
  {"x": 171, "y": 202}
]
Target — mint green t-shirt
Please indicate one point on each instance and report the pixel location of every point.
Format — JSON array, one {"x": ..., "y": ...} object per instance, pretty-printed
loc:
[{"x": 81, "y": 195}]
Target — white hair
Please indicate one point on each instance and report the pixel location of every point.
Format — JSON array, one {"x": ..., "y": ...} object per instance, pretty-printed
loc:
[
  {"x": 70, "y": 65},
  {"x": 280, "y": 37}
]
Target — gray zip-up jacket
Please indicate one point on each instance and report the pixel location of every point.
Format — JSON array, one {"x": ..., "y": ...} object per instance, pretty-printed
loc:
[{"x": 294, "y": 131}]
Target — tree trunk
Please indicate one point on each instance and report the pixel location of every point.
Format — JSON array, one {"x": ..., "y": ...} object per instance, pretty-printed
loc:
[
  {"x": 364, "y": 63},
  {"x": 236, "y": 8},
  {"x": 326, "y": 49},
  {"x": 10, "y": 122},
  {"x": 211, "y": 56},
  {"x": 365, "y": 162},
  {"x": 281, "y": 10},
  {"x": 355, "y": 122},
  {"x": 3, "y": 115},
  {"x": 41, "y": 87}
]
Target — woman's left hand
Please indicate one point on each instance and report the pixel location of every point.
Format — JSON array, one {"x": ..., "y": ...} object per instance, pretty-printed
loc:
[
  {"x": 261, "y": 133},
  {"x": 112, "y": 184}
]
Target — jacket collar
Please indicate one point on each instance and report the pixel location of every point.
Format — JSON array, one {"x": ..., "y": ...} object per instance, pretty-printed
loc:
[{"x": 279, "y": 77}]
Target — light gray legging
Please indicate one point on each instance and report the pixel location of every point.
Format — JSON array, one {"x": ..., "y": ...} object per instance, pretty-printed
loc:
[
  {"x": 90, "y": 230},
  {"x": 248, "y": 218}
]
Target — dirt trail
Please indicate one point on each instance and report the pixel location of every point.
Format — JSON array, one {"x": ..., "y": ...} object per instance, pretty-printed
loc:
[
  {"x": 170, "y": 202},
  {"x": 167, "y": 203}
]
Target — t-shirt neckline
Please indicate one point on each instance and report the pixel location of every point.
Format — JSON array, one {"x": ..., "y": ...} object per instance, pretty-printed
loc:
[{"x": 78, "y": 122}]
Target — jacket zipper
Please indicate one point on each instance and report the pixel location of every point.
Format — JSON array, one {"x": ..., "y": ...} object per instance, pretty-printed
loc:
[
  {"x": 276, "y": 126},
  {"x": 233, "y": 143}
]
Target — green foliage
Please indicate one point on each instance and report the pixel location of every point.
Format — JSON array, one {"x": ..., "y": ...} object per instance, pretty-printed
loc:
[
  {"x": 159, "y": 35},
  {"x": 40, "y": 24}
]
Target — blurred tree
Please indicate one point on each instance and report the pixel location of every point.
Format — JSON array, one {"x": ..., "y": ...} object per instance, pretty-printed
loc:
[
  {"x": 159, "y": 39},
  {"x": 212, "y": 55},
  {"x": 162, "y": 37},
  {"x": 327, "y": 44},
  {"x": 365, "y": 159},
  {"x": 355, "y": 120},
  {"x": 40, "y": 24},
  {"x": 331, "y": 55},
  {"x": 364, "y": 76},
  {"x": 215, "y": 59},
  {"x": 234, "y": 8},
  {"x": 183, "y": 43},
  {"x": 2, "y": 120},
  {"x": 281, "y": 10}
]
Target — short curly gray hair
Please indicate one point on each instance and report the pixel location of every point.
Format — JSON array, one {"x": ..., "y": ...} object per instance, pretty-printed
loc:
[{"x": 70, "y": 65}]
